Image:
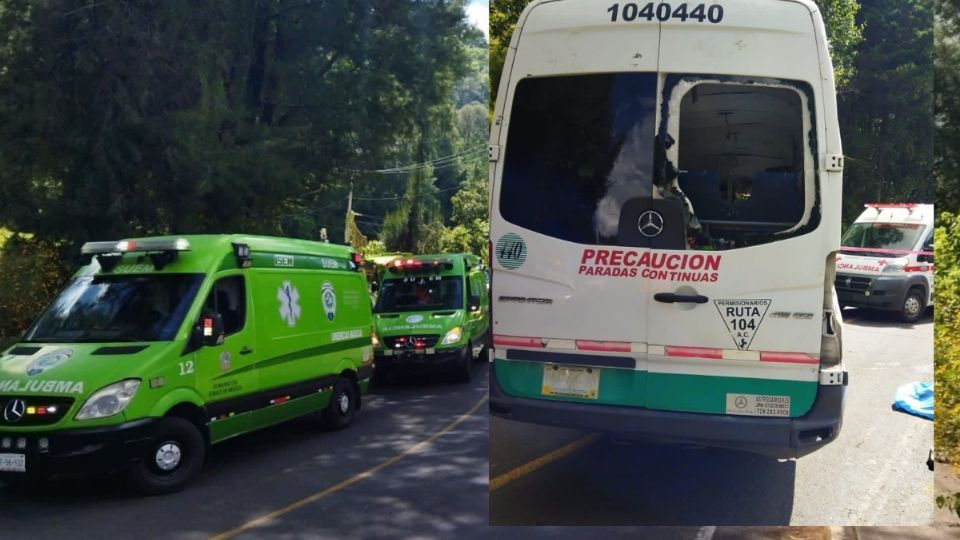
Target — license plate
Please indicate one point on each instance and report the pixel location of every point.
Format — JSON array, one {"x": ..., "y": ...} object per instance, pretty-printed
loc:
[
  {"x": 13, "y": 463},
  {"x": 568, "y": 381}
]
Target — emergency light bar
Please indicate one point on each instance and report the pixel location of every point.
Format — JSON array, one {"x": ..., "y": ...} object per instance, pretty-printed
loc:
[
  {"x": 879, "y": 206},
  {"x": 415, "y": 265},
  {"x": 132, "y": 246},
  {"x": 108, "y": 254},
  {"x": 242, "y": 253}
]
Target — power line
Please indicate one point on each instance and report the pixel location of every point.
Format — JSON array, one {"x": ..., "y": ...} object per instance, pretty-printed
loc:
[{"x": 444, "y": 160}]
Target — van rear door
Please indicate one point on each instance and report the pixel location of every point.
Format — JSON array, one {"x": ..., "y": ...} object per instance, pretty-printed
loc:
[
  {"x": 742, "y": 131},
  {"x": 580, "y": 143}
]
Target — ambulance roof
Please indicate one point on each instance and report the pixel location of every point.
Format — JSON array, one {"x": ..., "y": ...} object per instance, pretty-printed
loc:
[
  {"x": 896, "y": 213},
  {"x": 206, "y": 253}
]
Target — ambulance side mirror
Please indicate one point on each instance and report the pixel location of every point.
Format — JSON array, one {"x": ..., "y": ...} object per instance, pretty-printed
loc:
[
  {"x": 474, "y": 304},
  {"x": 926, "y": 258},
  {"x": 209, "y": 330}
]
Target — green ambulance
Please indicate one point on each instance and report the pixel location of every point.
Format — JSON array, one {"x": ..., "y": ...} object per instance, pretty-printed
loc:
[
  {"x": 432, "y": 313},
  {"x": 159, "y": 347}
]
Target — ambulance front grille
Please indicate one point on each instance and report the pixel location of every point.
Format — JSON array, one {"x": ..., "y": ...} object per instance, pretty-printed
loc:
[
  {"x": 409, "y": 342},
  {"x": 17, "y": 411},
  {"x": 852, "y": 284}
]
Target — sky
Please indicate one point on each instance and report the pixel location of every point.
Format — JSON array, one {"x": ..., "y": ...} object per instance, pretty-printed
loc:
[{"x": 478, "y": 12}]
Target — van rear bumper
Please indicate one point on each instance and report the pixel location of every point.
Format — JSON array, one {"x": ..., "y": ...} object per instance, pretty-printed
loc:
[
  {"x": 775, "y": 437},
  {"x": 82, "y": 451}
]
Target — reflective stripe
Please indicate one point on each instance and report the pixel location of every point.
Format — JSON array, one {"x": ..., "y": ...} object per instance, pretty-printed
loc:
[
  {"x": 789, "y": 358},
  {"x": 605, "y": 346},
  {"x": 695, "y": 352},
  {"x": 675, "y": 351},
  {"x": 514, "y": 341}
]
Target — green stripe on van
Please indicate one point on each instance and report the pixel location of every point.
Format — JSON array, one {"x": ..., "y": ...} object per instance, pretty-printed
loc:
[
  {"x": 302, "y": 353},
  {"x": 661, "y": 391}
]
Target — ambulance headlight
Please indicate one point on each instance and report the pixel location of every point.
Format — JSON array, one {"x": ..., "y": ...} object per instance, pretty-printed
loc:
[
  {"x": 109, "y": 400},
  {"x": 453, "y": 336},
  {"x": 893, "y": 268}
]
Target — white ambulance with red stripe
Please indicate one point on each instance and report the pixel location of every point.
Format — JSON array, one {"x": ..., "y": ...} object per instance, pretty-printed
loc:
[
  {"x": 886, "y": 260},
  {"x": 665, "y": 212}
]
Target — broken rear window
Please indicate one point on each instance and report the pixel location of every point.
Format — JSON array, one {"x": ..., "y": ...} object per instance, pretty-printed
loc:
[{"x": 743, "y": 160}]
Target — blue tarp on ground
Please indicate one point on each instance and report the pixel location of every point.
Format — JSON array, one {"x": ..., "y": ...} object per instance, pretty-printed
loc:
[{"x": 915, "y": 398}]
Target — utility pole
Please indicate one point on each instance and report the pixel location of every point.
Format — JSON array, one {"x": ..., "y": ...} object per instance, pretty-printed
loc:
[{"x": 346, "y": 230}]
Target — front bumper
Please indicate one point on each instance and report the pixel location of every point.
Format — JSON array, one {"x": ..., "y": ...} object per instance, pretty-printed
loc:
[
  {"x": 872, "y": 291},
  {"x": 776, "y": 437},
  {"x": 82, "y": 451},
  {"x": 411, "y": 360}
]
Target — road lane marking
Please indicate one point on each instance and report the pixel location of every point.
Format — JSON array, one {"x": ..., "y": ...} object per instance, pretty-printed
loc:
[
  {"x": 267, "y": 518},
  {"x": 530, "y": 466}
]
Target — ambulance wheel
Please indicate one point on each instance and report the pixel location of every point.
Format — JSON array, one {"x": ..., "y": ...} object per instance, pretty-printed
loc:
[
  {"x": 913, "y": 306},
  {"x": 465, "y": 365},
  {"x": 339, "y": 413},
  {"x": 174, "y": 456}
]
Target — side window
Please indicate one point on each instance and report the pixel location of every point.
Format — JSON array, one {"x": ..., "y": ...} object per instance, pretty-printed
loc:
[
  {"x": 742, "y": 155},
  {"x": 471, "y": 286},
  {"x": 228, "y": 298},
  {"x": 927, "y": 248}
]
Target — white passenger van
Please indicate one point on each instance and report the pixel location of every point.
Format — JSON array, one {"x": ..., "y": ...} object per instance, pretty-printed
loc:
[
  {"x": 665, "y": 213},
  {"x": 886, "y": 262}
]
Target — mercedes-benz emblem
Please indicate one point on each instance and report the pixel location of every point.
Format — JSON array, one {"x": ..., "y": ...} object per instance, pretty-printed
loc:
[
  {"x": 411, "y": 342},
  {"x": 14, "y": 410},
  {"x": 650, "y": 223}
]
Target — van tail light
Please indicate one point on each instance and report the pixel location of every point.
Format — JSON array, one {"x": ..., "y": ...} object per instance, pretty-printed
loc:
[{"x": 357, "y": 261}]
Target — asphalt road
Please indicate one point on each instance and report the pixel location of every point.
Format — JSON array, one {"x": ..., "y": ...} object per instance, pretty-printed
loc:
[
  {"x": 437, "y": 489},
  {"x": 873, "y": 474}
]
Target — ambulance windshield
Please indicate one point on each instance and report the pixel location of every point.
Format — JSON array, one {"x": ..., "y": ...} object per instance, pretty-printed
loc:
[
  {"x": 882, "y": 236},
  {"x": 420, "y": 293},
  {"x": 117, "y": 308}
]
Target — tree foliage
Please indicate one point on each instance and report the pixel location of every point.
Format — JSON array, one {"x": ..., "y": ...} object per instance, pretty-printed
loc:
[
  {"x": 886, "y": 114},
  {"x": 947, "y": 174},
  {"x": 947, "y": 104},
  {"x": 125, "y": 118},
  {"x": 946, "y": 341}
]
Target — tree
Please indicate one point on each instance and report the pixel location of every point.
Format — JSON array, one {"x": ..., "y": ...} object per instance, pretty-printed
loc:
[
  {"x": 470, "y": 218},
  {"x": 947, "y": 105},
  {"x": 886, "y": 117},
  {"x": 126, "y": 118},
  {"x": 844, "y": 35}
]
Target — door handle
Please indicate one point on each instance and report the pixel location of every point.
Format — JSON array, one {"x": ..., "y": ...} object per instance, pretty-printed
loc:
[
  {"x": 246, "y": 350},
  {"x": 672, "y": 298}
]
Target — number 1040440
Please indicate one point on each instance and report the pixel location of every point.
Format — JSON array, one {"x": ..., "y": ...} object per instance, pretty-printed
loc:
[{"x": 663, "y": 12}]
